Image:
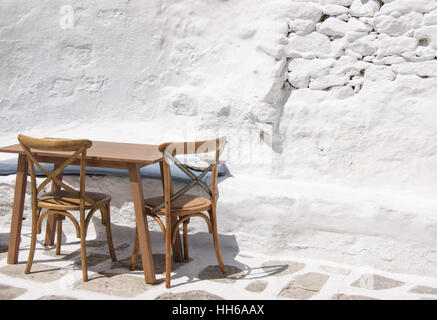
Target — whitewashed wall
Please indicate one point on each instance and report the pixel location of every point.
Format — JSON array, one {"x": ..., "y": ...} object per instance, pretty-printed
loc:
[{"x": 336, "y": 98}]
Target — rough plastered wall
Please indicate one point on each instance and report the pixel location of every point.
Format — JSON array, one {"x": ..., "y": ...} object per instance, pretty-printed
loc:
[
  {"x": 127, "y": 70},
  {"x": 333, "y": 103}
]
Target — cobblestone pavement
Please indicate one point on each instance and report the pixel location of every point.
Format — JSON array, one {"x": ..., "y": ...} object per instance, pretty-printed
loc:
[{"x": 250, "y": 276}]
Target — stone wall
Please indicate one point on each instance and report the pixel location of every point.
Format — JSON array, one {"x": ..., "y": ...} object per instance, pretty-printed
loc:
[
  {"x": 362, "y": 76},
  {"x": 338, "y": 45}
]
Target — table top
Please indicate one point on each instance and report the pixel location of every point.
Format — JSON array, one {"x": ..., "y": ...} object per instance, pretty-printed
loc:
[{"x": 116, "y": 152}]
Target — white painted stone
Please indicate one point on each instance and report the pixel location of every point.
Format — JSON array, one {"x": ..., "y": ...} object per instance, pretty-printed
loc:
[
  {"x": 358, "y": 26},
  {"x": 353, "y": 54},
  {"x": 427, "y": 68},
  {"x": 310, "y": 55},
  {"x": 304, "y": 11},
  {"x": 406, "y": 6},
  {"x": 351, "y": 36},
  {"x": 356, "y": 81},
  {"x": 430, "y": 19},
  {"x": 293, "y": 54},
  {"x": 361, "y": 8},
  {"x": 420, "y": 54},
  {"x": 334, "y": 10},
  {"x": 368, "y": 20},
  {"x": 398, "y": 26},
  {"x": 429, "y": 33},
  {"x": 314, "y": 43},
  {"x": 389, "y": 46},
  {"x": 389, "y": 60},
  {"x": 365, "y": 46},
  {"x": 423, "y": 69},
  {"x": 327, "y": 82},
  {"x": 343, "y": 17},
  {"x": 348, "y": 65},
  {"x": 343, "y": 92},
  {"x": 379, "y": 73},
  {"x": 334, "y": 27},
  {"x": 302, "y": 27},
  {"x": 369, "y": 58},
  {"x": 337, "y": 48},
  {"x": 300, "y": 70},
  {"x": 337, "y": 2}
]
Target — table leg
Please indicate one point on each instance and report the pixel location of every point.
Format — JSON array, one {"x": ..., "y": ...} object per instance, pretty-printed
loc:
[
  {"x": 142, "y": 226},
  {"x": 177, "y": 247},
  {"x": 17, "y": 209},
  {"x": 51, "y": 219}
]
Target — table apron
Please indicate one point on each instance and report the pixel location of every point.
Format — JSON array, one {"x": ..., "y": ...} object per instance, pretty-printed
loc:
[{"x": 92, "y": 163}]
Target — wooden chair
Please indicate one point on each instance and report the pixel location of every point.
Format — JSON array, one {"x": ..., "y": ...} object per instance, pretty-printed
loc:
[
  {"x": 178, "y": 208},
  {"x": 64, "y": 198}
]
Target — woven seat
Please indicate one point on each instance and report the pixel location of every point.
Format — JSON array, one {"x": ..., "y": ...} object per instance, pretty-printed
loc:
[
  {"x": 185, "y": 204},
  {"x": 65, "y": 201}
]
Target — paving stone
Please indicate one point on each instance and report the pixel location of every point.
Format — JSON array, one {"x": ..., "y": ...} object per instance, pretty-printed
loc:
[
  {"x": 53, "y": 297},
  {"x": 424, "y": 289},
  {"x": 336, "y": 270},
  {"x": 65, "y": 255},
  {"x": 341, "y": 296},
  {"x": 257, "y": 286},
  {"x": 92, "y": 260},
  {"x": 376, "y": 282},
  {"x": 189, "y": 295},
  {"x": 8, "y": 292},
  {"x": 158, "y": 259},
  {"x": 120, "y": 285},
  {"x": 281, "y": 268},
  {"x": 39, "y": 272},
  {"x": 213, "y": 272},
  {"x": 304, "y": 286}
]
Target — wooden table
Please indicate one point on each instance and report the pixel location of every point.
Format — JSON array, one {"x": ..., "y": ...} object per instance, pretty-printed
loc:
[{"x": 104, "y": 155}]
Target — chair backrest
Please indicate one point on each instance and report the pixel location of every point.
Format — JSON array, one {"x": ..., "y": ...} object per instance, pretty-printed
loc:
[
  {"x": 78, "y": 149},
  {"x": 171, "y": 149}
]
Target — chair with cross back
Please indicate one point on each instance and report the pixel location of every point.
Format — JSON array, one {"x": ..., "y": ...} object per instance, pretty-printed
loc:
[
  {"x": 64, "y": 198},
  {"x": 179, "y": 207}
]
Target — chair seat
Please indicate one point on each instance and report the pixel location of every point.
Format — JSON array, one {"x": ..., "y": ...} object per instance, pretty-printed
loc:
[
  {"x": 185, "y": 204},
  {"x": 63, "y": 200}
]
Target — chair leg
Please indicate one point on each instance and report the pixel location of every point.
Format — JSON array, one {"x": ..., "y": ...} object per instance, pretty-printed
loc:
[
  {"x": 107, "y": 222},
  {"x": 185, "y": 233},
  {"x": 83, "y": 246},
  {"x": 213, "y": 218},
  {"x": 168, "y": 231},
  {"x": 32, "y": 243},
  {"x": 58, "y": 234},
  {"x": 135, "y": 253}
]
